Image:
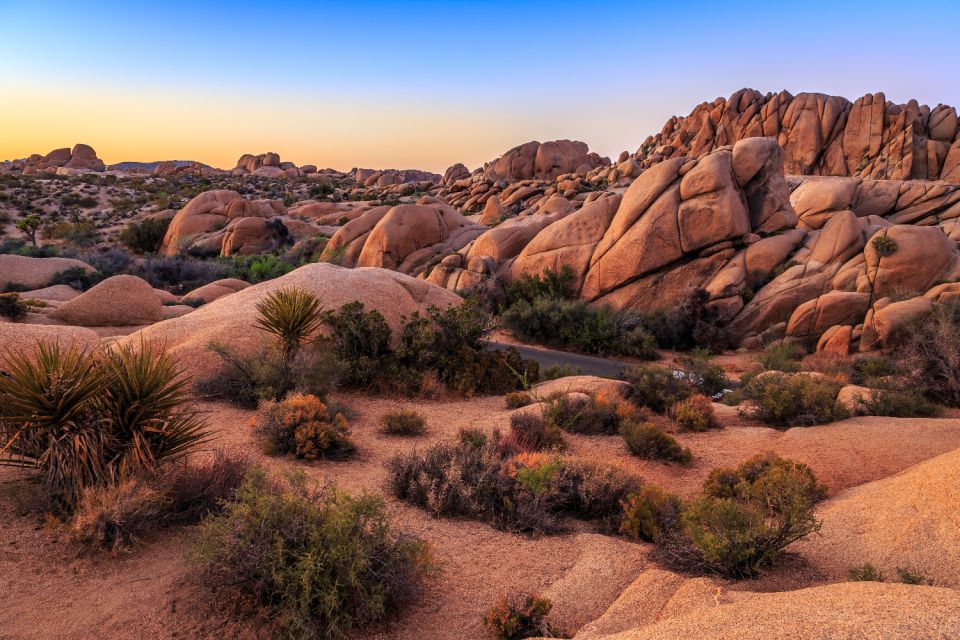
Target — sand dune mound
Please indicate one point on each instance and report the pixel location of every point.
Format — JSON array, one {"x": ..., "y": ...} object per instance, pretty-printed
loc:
[
  {"x": 230, "y": 320},
  {"x": 844, "y": 610},
  {"x": 911, "y": 520}
]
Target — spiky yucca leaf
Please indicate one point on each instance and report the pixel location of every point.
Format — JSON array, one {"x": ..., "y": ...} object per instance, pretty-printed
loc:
[
  {"x": 292, "y": 315},
  {"x": 147, "y": 402}
]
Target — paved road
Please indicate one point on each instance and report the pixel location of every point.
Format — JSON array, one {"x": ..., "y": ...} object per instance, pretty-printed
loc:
[{"x": 588, "y": 365}]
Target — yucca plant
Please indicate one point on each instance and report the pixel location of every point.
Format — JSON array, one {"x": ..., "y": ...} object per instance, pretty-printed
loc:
[
  {"x": 82, "y": 418},
  {"x": 292, "y": 315},
  {"x": 50, "y": 418},
  {"x": 147, "y": 403}
]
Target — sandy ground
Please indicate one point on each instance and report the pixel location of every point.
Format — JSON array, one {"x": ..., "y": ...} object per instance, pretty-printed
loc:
[{"x": 49, "y": 590}]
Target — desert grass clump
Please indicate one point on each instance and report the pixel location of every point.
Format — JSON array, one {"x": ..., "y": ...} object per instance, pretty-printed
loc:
[
  {"x": 593, "y": 415},
  {"x": 695, "y": 413},
  {"x": 792, "y": 400},
  {"x": 319, "y": 561},
  {"x": 83, "y": 419},
  {"x": 519, "y": 615},
  {"x": 119, "y": 515},
  {"x": 518, "y": 399},
  {"x": 534, "y": 433},
  {"x": 884, "y": 245},
  {"x": 403, "y": 423},
  {"x": 302, "y": 425},
  {"x": 650, "y": 442},
  {"x": 865, "y": 573},
  {"x": 748, "y": 515}
]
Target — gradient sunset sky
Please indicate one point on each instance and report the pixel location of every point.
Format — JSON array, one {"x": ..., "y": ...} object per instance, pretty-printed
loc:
[{"x": 427, "y": 84}]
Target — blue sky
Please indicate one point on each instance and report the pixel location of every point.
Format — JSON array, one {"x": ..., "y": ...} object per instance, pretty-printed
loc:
[{"x": 430, "y": 83}]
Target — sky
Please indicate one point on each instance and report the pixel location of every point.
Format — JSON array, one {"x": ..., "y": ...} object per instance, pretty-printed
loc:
[{"x": 426, "y": 84}]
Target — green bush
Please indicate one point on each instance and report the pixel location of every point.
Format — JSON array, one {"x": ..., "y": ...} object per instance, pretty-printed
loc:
[
  {"x": 868, "y": 369},
  {"x": 556, "y": 371},
  {"x": 864, "y": 573},
  {"x": 656, "y": 388},
  {"x": 783, "y": 356},
  {"x": 792, "y": 400},
  {"x": 320, "y": 562},
  {"x": 145, "y": 236},
  {"x": 403, "y": 423},
  {"x": 898, "y": 403},
  {"x": 685, "y": 325},
  {"x": 550, "y": 284},
  {"x": 449, "y": 343},
  {"x": 517, "y": 616},
  {"x": 650, "y": 513},
  {"x": 575, "y": 324},
  {"x": 77, "y": 233},
  {"x": 81, "y": 419},
  {"x": 708, "y": 378},
  {"x": 304, "y": 426},
  {"x": 78, "y": 278},
  {"x": 647, "y": 441},
  {"x": 749, "y": 515},
  {"x": 884, "y": 245},
  {"x": 11, "y": 306}
]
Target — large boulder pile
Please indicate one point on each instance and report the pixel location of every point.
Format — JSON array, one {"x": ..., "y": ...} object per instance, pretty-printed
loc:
[
  {"x": 81, "y": 159},
  {"x": 231, "y": 319},
  {"x": 822, "y": 135},
  {"x": 268, "y": 165},
  {"x": 543, "y": 161}
]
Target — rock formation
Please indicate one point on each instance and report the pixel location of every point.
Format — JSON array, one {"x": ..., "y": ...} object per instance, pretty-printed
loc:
[
  {"x": 81, "y": 159},
  {"x": 822, "y": 135}
]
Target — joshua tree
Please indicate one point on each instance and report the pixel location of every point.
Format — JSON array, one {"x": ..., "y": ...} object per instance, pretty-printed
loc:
[{"x": 29, "y": 226}]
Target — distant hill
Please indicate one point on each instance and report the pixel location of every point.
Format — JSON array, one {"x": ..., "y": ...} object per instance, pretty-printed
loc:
[{"x": 148, "y": 167}]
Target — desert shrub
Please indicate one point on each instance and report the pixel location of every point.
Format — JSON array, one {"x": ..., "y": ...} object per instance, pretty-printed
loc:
[
  {"x": 403, "y": 423},
  {"x": 523, "y": 492},
  {"x": 695, "y": 413},
  {"x": 685, "y": 325},
  {"x": 118, "y": 515},
  {"x": 646, "y": 440},
  {"x": 864, "y": 573},
  {"x": 449, "y": 343},
  {"x": 11, "y": 306},
  {"x": 77, "y": 277},
  {"x": 245, "y": 380},
  {"x": 319, "y": 561},
  {"x": 181, "y": 274},
  {"x": 291, "y": 315},
  {"x": 517, "y": 399},
  {"x": 747, "y": 516},
  {"x": 258, "y": 268},
  {"x": 517, "y": 616},
  {"x": 792, "y": 400},
  {"x": 884, "y": 245},
  {"x": 145, "y": 236},
  {"x": 592, "y": 416},
  {"x": 898, "y": 403},
  {"x": 929, "y": 355},
  {"x": 650, "y": 513},
  {"x": 304, "y": 426},
  {"x": 77, "y": 233},
  {"x": 831, "y": 364},
  {"x": 534, "y": 433},
  {"x": 707, "y": 377},
  {"x": 575, "y": 324},
  {"x": 556, "y": 371},
  {"x": 108, "y": 261},
  {"x": 656, "y": 388},
  {"x": 908, "y": 576},
  {"x": 82, "y": 419},
  {"x": 558, "y": 285},
  {"x": 472, "y": 436},
  {"x": 868, "y": 369},
  {"x": 783, "y": 356},
  {"x": 596, "y": 492}
]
